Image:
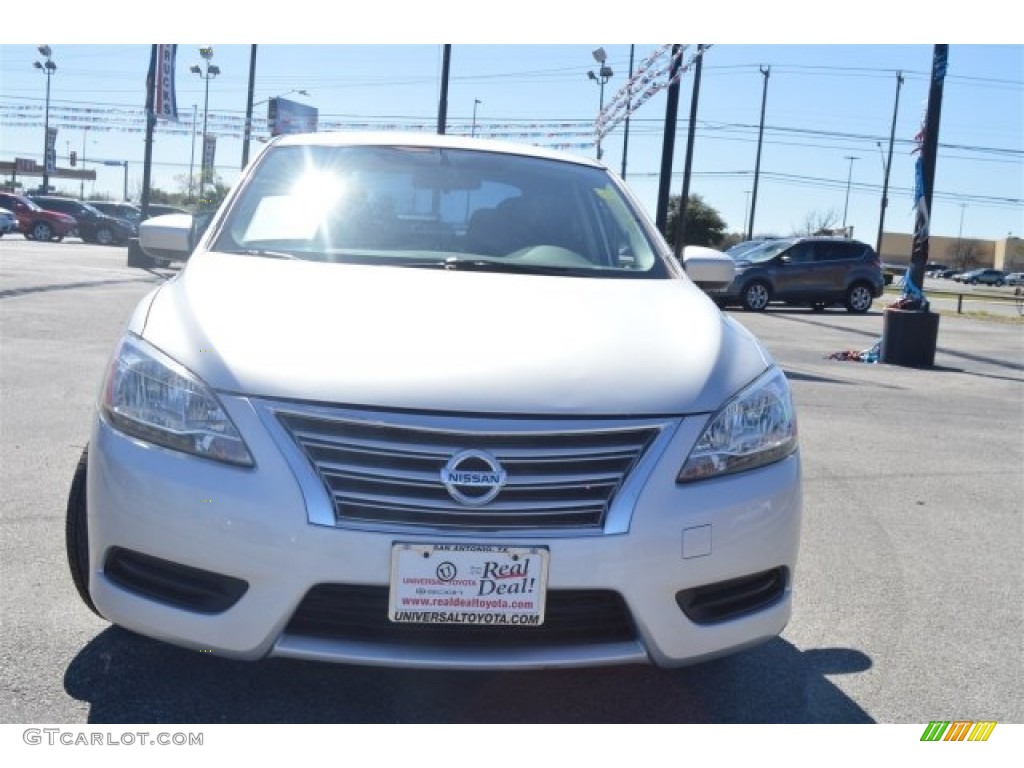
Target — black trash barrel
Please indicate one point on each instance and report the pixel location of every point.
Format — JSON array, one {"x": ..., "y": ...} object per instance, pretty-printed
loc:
[{"x": 909, "y": 337}]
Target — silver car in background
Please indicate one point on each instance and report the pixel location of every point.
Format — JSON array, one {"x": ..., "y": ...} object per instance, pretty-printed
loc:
[{"x": 429, "y": 401}]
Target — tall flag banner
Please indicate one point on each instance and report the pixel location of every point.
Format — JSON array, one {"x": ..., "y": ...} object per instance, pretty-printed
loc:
[
  {"x": 161, "y": 80},
  {"x": 51, "y": 150},
  {"x": 209, "y": 156}
]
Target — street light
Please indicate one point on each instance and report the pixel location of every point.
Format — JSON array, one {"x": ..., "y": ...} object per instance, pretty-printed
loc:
[
  {"x": 604, "y": 74},
  {"x": 299, "y": 91},
  {"x": 476, "y": 102},
  {"x": 849, "y": 179},
  {"x": 47, "y": 68},
  {"x": 125, "y": 164},
  {"x": 212, "y": 70}
]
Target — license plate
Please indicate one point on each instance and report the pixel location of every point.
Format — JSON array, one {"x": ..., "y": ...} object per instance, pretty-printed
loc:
[{"x": 482, "y": 585}]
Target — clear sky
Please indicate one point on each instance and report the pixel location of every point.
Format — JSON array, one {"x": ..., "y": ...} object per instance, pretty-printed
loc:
[{"x": 826, "y": 103}]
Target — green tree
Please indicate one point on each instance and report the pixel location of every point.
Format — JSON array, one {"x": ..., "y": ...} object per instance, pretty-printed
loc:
[{"x": 703, "y": 225}]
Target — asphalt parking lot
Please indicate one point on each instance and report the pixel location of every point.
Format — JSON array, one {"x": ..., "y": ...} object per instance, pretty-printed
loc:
[{"x": 908, "y": 593}]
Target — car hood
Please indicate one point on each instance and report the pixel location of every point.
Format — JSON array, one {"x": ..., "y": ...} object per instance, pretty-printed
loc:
[{"x": 448, "y": 340}]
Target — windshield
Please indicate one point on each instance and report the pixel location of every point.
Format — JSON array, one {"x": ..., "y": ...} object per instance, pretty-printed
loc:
[
  {"x": 430, "y": 207},
  {"x": 740, "y": 248},
  {"x": 765, "y": 252}
]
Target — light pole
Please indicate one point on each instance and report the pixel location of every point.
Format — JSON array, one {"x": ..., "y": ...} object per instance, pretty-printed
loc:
[
  {"x": 81, "y": 188},
  {"x": 887, "y": 166},
  {"x": 212, "y": 70},
  {"x": 849, "y": 179},
  {"x": 765, "y": 73},
  {"x": 960, "y": 232},
  {"x": 476, "y": 102},
  {"x": 47, "y": 68},
  {"x": 604, "y": 74}
]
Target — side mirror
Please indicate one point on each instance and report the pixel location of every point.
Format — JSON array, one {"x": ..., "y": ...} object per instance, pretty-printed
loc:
[
  {"x": 167, "y": 237},
  {"x": 708, "y": 268}
]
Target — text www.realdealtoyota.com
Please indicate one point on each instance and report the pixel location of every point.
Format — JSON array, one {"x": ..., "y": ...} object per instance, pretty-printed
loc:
[
  {"x": 466, "y": 602},
  {"x": 456, "y": 617}
]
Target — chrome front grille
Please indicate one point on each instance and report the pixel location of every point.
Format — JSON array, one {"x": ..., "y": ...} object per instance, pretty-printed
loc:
[{"x": 384, "y": 472}]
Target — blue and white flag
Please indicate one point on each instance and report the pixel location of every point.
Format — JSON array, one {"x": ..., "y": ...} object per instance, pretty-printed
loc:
[{"x": 161, "y": 71}]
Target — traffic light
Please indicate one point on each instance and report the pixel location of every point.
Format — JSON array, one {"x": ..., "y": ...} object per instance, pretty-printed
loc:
[{"x": 74, "y": 158}]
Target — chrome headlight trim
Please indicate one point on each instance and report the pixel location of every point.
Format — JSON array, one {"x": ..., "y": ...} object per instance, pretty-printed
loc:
[
  {"x": 150, "y": 396},
  {"x": 755, "y": 428}
]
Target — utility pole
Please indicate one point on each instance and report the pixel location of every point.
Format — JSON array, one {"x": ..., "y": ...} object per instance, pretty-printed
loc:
[
  {"x": 910, "y": 336},
  {"x": 442, "y": 108},
  {"x": 888, "y": 166},
  {"x": 668, "y": 140},
  {"x": 147, "y": 163},
  {"x": 629, "y": 108},
  {"x": 766, "y": 73},
  {"x": 691, "y": 133},
  {"x": 248, "y": 107},
  {"x": 192, "y": 161},
  {"x": 927, "y": 157}
]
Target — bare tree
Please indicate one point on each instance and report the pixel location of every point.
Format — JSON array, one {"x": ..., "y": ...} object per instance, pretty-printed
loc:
[
  {"x": 816, "y": 222},
  {"x": 963, "y": 254}
]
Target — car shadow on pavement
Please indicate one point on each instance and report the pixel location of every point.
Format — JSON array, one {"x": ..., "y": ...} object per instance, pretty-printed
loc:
[
  {"x": 127, "y": 678},
  {"x": 11, "y": 292}
]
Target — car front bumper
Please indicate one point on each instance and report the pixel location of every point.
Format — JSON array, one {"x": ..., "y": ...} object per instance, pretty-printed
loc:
[{"x": 253, "y": 525}]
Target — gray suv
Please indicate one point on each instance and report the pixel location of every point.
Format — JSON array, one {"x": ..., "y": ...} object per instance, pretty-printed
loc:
[{"x": 813, "y": 271}]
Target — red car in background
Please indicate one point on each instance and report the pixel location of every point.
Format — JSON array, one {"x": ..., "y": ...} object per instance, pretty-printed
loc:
[{"x": 36, "y": 223}]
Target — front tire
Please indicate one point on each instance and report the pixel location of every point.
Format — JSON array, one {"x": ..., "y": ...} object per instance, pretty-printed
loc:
[
  {"x": 104, "y": 236},
  {"x": 756, "y": 296},
  {"x": 41, "y": 231},
  {"x": 858, "y": 298},
  {"x": 76, "y": 532}
]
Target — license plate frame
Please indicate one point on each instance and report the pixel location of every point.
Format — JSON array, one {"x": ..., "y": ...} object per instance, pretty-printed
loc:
[{"x": 468, "y": 584}]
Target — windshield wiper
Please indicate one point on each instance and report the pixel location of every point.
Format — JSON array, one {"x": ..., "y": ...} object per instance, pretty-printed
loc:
[
  {"x": 489, "y": 265},
  {"x": 263, "y": 253}
]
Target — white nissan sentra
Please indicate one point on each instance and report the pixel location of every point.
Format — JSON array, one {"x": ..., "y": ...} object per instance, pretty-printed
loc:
[{"x": 425, "y": 401}]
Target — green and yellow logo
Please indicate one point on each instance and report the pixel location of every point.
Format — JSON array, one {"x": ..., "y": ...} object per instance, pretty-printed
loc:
[{"x": 958, "y": 730}]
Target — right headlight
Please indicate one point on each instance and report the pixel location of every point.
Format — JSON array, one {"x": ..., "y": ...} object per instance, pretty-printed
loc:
[
  {"x": 156, "y": 399},
  {"x": 755, "y": 428}
]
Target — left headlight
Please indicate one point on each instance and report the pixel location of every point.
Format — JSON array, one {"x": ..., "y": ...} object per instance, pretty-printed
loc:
[
  {"x": 755, "y": 428},
  {"x": 154, "y": 398}
]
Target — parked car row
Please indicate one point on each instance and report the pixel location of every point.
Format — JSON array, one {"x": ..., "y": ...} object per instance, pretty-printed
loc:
[
  {"x": 91, "y": 225},
  {"x": 35, "y": 222},
  {"x": 985, "y": 276},
  {"x": 52, "y": 218}
]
